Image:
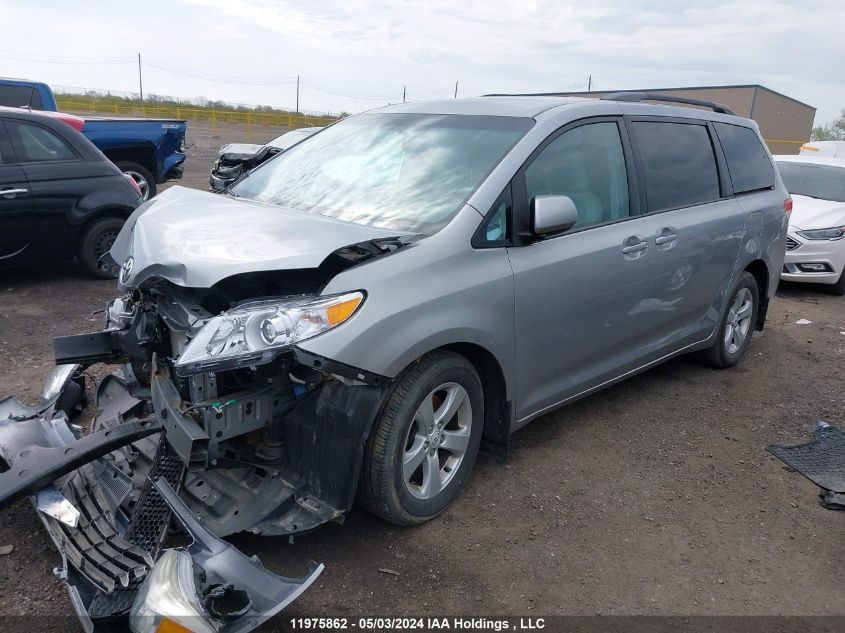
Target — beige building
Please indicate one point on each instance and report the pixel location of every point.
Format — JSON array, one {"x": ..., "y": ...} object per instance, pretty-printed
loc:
[{"x": 784, "y": 122}]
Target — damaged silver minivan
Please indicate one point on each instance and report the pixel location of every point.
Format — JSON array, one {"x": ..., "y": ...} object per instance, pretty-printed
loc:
[{"x": 359, "y": 316}]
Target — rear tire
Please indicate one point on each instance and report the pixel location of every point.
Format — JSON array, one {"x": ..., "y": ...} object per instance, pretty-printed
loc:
[
  {"x": 425, "y": 440},
  {"x": 95, "y": 241},
  {"x": 736, "y": 328},
  {"x": 142, "y": 177}
]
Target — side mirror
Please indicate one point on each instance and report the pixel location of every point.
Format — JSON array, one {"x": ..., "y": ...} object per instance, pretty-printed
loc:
[{"x": 552, "y": 214}]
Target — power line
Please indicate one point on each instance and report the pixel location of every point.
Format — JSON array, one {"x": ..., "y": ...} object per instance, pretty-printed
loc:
[
  {"x": 72, "y": 61},
  {"x": 216, "y": 77},
  {"x": 168, "y": 67}
]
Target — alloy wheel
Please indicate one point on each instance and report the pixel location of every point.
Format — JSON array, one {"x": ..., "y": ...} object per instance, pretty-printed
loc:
[
  {"x": 142, "y": 183},
  {"x": 738, "y": 322},
  {"x": 437, "y": 440}
]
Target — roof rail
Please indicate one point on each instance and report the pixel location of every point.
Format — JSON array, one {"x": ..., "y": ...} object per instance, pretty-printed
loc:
[{"x": 636, "y": 97}]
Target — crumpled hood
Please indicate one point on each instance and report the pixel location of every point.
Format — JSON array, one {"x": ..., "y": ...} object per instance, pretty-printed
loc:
[
  {"x": 195, "y": 239},
  {"x": 241, "y": 151},
  {"x": 812, "y": 213}
]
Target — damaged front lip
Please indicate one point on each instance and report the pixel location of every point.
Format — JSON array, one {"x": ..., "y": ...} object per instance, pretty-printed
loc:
[
  {"x": 223, "y": 564},
  {"x": 39, "y": 450}
]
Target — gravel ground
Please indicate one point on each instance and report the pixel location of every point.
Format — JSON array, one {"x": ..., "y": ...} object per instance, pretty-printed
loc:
[{"x": 655, "y": 496}]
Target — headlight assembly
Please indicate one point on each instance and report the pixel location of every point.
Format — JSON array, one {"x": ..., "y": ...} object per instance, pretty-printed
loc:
[
  {"x": 836, "y": 233},
  {"x": 168, "y": 602},
  {"x": 253, "y": 333}
]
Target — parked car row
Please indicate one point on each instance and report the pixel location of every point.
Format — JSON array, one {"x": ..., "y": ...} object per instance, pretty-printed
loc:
[
  {"x": 151, "y": 151},
  {"x": 60, "y": 197}
]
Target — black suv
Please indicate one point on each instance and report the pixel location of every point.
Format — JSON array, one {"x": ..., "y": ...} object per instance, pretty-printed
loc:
[{"x": 59, "y": 195}]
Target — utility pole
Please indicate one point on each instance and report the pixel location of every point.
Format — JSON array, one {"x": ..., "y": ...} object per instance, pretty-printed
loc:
[
  {"x": 590, "y": 82},
  {"x": 404, "y": 88},
  {"x": 140, "y": 80},
  {"x": 456, "y": 90},
  {"x": 297, "y": 94}
]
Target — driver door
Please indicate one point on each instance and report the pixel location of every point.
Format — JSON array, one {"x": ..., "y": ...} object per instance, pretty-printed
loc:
[
  {"x": 580, "y": 295},
  {"x": 16, "y": 225}
]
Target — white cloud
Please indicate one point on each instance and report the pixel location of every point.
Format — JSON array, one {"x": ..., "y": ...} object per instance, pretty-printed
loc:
[{"x": 373, "y": 49}]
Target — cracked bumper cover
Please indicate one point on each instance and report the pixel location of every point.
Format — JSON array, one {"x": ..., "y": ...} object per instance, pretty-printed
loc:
[{"x": 102, "y": 564}]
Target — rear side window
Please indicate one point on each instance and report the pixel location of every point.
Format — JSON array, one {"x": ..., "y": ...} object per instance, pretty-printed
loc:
[
  {"x": 748, "y": 162},
  {"x": 18, "y": 96},
  {"x": 678, "y": 163},
  {"x": 34, "y": 143}
]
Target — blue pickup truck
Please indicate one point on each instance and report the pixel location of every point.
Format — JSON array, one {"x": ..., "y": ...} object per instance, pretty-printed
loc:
[{"x": 151, "y": 151}]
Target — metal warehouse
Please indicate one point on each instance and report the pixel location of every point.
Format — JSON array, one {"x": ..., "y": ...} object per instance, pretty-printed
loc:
[{"x": 785, "y": 122}]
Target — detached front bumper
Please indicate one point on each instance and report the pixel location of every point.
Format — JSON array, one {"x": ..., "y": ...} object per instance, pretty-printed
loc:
[
  {"x": 79, "y": 484},
  {"x": 813, "y": 261}
]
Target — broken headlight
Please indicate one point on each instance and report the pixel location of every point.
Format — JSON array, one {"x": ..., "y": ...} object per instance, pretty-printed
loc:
[
  {"x": 168, "y": 600},
  {"x": 253, "y": 333}
]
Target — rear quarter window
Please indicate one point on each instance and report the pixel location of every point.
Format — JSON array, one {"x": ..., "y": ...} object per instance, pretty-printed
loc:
[
  {"x": 678, "y": 163},
  {"x": 35, "y": 143},
  {"x": 20, "y": 96},
  {"x": 748, "y": 162}
]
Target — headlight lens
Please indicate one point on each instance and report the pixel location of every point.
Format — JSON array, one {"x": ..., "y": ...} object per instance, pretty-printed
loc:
[
  {"x": 252, "y": 334},
  {"x": 168, "y": 601},
  {"x": 836, "y": 233}
]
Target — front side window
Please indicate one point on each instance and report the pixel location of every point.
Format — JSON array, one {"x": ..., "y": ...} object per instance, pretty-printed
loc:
[
  {"x": 587, "y": 164},
  {"x": 405, "y": 172},
  {"x": 35, "y": 143},
  {"x": 748, "y": 162},
  {"x": 824, "y": 182},
  {"x": 678, "y": 163}
]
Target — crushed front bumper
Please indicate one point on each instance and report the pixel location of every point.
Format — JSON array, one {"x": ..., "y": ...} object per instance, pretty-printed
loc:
[{"x": 78, "y": 486}]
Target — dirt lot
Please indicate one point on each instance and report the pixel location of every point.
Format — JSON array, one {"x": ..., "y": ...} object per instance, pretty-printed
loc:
[{"x": 653, "y": 497}]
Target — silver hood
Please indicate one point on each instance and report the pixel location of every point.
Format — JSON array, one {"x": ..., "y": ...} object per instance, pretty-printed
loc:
[{"x": 194, "y": 239}]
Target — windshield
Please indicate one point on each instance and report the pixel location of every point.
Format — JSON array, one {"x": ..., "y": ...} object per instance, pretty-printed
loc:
[
  {"x": 817, "y": 181},
  {"x": 404, "y": 172},
  {"x": 291, "y": 138}
]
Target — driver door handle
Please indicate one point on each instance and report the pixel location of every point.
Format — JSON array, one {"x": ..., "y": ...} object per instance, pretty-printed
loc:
[
  {"x": 635, "y": 248},
  {"x": 11, "y": 193}
]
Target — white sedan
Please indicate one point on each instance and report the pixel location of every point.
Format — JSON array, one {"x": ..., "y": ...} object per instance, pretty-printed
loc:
[{"x": 815, "y": 248}]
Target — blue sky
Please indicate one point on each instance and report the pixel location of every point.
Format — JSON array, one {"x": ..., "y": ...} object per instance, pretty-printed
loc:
[{"x": 354, "y": 54}]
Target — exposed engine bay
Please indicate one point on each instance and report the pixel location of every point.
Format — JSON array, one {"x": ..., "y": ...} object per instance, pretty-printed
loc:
[
  {"x": 272, "y": 444},
  {"x": 269, "y": 447}
]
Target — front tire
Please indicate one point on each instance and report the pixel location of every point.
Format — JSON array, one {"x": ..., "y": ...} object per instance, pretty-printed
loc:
[
  {"x": 736, "y": 328},
  {"x": 425, "y": 440},
  {"x": 95, "y": 241}
]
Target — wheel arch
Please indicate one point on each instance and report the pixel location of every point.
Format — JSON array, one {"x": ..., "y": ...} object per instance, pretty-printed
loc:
[
  {"x": 144, "y": 155},
  {"x": 760, "y": 271},
  {"x": 115, "y": 211},
  {"x": 497, "y": 411}
]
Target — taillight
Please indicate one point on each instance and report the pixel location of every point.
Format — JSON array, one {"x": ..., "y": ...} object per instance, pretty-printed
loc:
[
  {"x": 135, "y": 186},
  {"x": 787, "y": 205}
]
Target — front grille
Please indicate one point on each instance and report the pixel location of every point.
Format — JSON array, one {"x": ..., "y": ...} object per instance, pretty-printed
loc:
[
  {"x": 792, "y": 244},
  {"x": 146, "y": 531}
]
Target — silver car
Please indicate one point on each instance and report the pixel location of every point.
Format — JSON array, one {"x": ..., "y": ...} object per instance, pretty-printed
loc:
[{"x": 358, "y": 317}]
